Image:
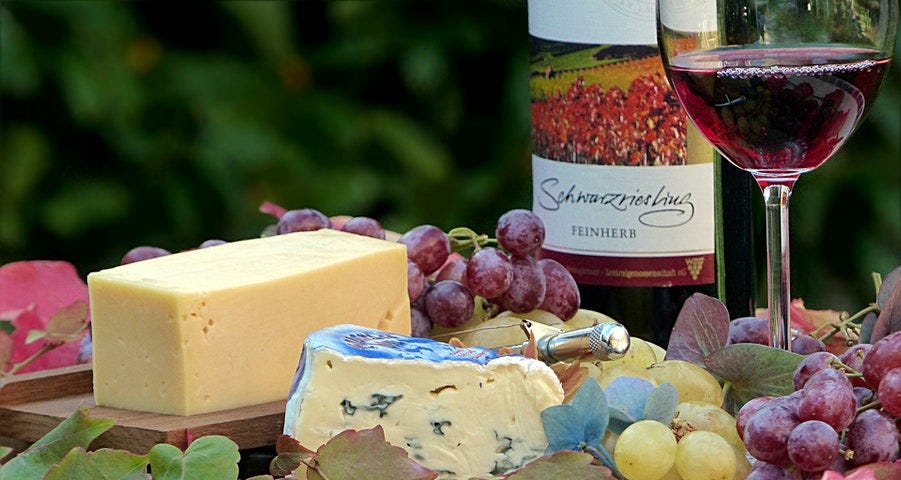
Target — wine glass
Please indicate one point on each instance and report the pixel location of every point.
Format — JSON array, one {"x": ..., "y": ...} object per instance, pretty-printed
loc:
[{"x": 777, "y": 86}]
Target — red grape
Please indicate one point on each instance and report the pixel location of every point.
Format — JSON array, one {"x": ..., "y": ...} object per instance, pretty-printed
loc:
[
  {"x": 853, "y": 357},
  {"x": 882, "y": 357},
  {"x": 747, "y": 410},
  {"x": 826, "y": 399},
  {"x": 489, "y": 272},
  {"x": 889, "y": 392},
  {"x": 303, "y": 220},
  {"x": 561, "y": 296},
  {"x": 143, "y": 253},
  {"x": 873, "y": 437},
  {"x": 420, "y": 325},
  {"x": 810, "y": 365},
  {"x": 767, "y": 431},
  {"x": 749, "y": 330},
  {"x": 427, "y": 246},
  {"x": 449, "y": 303},
  {"x": 415, "y": 280},
  {"x": 806, "y": 344},
  {"x": 520, "y": 232},
  {"x": 365, "y": 226},
  {"x": 768, "y": 471},
  {"x": 813, "y": 446},
  {"x": 211, "y": 243},
  {"x": 528, "y": 287},
  {"x": 453, "y": 269}
]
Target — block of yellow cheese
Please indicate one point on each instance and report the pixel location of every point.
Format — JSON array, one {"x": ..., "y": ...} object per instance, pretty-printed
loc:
[{"x": 223, "y": 327}]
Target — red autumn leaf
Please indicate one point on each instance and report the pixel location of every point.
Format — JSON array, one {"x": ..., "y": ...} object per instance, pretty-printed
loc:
[
  {"x": 31, "y": 293},
  {"x": 807, "y": 321}
]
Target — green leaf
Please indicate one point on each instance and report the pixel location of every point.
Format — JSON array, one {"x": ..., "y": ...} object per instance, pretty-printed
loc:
[
  {"x": 366, "y": 454},
  {"x": 212, "y": 456},
  {"x": 78, "y": 430},
  {"x": 103, "y": 464},
  {"x": 563, "y": 465},
  {"x": 34, "y": 335},
  {"x": 582, "y": 422},
  {"x": 751, "y": 370},
  {"x": 701, "y": 328}
]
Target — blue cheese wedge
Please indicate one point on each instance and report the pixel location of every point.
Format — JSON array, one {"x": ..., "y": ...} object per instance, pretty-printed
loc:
[{"x": 462, "y": 412}]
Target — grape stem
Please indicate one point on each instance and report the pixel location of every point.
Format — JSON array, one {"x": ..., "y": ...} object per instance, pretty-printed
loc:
[
  {"x": 868, "y": 406},
  {"x": 847, "y": 325},
  {"x": 464, "y": 238}
]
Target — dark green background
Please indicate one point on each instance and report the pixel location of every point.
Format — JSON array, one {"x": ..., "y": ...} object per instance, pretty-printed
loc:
[{"x": 128, "y": 123}]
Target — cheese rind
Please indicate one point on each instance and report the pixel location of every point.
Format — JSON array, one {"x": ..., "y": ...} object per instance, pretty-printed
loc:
[
  {"x": 221, "y": 327},
  {"x": 460, "y": 411}
]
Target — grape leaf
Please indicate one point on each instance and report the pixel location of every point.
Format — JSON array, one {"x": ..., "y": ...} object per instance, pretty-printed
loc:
[
  {"x": 889, "y": 284},
  {"x": 103, "y": 464},
  {"x": 562, "y": 465},
  {"x": 78, "y": 430},
  {"x": 4, "y": 451},
  {"x": 212, "y": 456},
  {"x": 582, "y": 422},
  {"x": 701, "y": 328},
  {"x": 751, "y": 370},
  {"x": 365, "y": 454}
]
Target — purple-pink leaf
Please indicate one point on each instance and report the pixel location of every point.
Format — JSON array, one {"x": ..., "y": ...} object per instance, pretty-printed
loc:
[
  {"x": 701, "y": 328},
  {"x": 366, "y": 454}
]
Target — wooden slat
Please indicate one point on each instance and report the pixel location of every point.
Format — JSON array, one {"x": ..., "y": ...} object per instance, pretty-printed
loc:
[{"x": 32, "y": 406}]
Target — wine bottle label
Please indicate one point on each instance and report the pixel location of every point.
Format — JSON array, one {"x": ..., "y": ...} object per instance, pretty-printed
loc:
[{"x": 622, "y": 182}]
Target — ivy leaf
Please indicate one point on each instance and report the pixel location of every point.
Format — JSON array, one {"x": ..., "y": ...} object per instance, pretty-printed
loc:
[
  {"x": 78, "y": 430},
  {"x": 751, "y": 370},
  {"x": 365, "y": 454},
  {"x": 103, "y": 464},
  {"x": 562, "y": 465},
  {"x": 212, "y": 456},
  {"x": 701, "y": 328},
  {"x": 582, "y": 422}
]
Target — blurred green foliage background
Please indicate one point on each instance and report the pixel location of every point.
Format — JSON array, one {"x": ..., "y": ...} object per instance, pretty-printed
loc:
[{"x": 129, "y": 123}]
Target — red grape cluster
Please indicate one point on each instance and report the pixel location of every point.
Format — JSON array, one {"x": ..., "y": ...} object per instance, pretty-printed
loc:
[
  {"x": 757, "y": 330},
  {"x": 443, "y": 287},
  {"x": 842, "y": 414}
]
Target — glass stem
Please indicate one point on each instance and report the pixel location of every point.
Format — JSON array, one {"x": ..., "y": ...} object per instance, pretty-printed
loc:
[{"x": 776, "y": 198}]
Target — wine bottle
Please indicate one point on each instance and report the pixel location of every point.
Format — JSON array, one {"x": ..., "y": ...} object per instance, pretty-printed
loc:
[{"x": 634, "y": 201}]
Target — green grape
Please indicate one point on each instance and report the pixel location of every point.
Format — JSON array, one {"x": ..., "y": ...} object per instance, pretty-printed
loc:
[
  {"x": 646, "y": 450},
  {"x": 742, "y": 465},
  {"x": 700, "y": 415},
  {"x": 691, "y": 381},
  {"x": 703, "y": 455}
]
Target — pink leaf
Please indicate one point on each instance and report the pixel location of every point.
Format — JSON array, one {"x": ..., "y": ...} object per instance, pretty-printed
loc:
[
  {"x": 31, "y": 293},
  {"x": 272, "y": 209}
]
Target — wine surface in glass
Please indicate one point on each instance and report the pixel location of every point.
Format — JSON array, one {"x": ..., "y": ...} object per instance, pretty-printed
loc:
[{"x": 777, "y": 112}]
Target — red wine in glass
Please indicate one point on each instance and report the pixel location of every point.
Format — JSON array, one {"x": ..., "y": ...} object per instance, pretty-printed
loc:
[{"x": 777, "y": 112}]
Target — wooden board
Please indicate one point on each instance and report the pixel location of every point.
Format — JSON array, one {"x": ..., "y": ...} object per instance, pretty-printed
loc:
[{"x": 33, "y": 404}]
